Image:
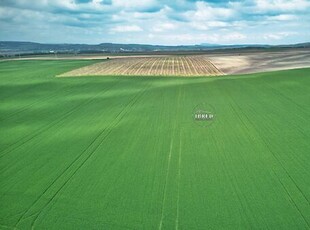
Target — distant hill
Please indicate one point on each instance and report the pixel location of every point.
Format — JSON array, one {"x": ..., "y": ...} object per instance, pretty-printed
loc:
[{"x": 20, "y": 48}]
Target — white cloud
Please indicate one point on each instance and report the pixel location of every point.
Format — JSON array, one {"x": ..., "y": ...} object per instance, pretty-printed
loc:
[
  {"x": 126, "y": 29},
  {"x": 207, "y": 16},
  {"x": 206, "y": 25},
  {"x": 93, "y": 6},
  {"x": 235, "y": 37},
  {"x": 282, "y": 5},
  {"x": 282, "y": 17},
  {"x": 205, "y": 11},
  {"x": 160, "y": 15},
  {"x": 189, "y": 38},
  {"x": 135, "y": 5},
  {"x": 278, "y": 36},
  {"x": 162, "y": 27}
]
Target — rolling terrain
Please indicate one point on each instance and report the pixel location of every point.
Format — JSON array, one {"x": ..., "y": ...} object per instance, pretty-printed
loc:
[
  {"x": 189, "y": 63},
  {"x": 125, "y": 153}
]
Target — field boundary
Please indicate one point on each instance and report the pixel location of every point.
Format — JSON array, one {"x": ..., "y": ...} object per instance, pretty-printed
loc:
[{"x": 183, "y": 66}]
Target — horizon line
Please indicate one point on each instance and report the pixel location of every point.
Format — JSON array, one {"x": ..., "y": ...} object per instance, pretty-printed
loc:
[{"x": 148, "y": 44}]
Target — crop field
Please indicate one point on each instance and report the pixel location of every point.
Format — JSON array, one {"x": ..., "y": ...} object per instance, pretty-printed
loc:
[
  {"x": 150, "y": 66},
  {"x": 125, "y": 152}
]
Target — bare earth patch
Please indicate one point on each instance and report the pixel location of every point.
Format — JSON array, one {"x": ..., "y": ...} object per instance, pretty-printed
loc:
[
  {"x": 150, "y": 66},
  {"x": 240, "y": 63}
]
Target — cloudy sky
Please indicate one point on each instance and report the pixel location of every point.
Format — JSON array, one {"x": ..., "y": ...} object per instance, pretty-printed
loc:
[{"x": 169, "y": 22}]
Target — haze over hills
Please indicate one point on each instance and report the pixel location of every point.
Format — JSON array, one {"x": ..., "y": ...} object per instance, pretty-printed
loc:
[{"x": 8, "y": 48}]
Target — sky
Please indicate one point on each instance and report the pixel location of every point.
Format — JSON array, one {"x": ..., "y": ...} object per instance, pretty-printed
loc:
[{"x": 162, "y": 22}]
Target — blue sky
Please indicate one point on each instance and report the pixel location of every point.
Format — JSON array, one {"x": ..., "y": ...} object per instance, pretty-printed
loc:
[{"x": 167, "y": 22}]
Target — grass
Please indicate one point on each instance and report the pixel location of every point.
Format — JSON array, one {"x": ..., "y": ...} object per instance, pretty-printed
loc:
[{"x": 125, "y": 153}]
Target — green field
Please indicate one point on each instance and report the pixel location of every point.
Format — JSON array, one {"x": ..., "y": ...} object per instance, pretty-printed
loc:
[{"x": 125, "y": 152}]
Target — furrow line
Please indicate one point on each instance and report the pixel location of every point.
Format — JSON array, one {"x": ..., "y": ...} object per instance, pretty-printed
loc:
[
  {"x": 45, "y": 128},
  {"x": 165, "y": 186},
  {"x": 116, "y": 121},
  {"x": 53, "y": 182}
]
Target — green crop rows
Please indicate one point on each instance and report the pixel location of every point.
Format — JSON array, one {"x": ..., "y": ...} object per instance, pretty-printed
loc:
[{"x": 125, "y": 152}]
